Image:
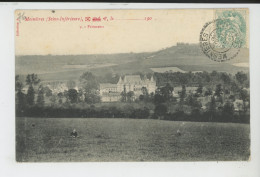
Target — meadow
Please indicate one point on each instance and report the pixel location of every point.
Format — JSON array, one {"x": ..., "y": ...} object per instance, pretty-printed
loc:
[{"x": 48, "y": 140}]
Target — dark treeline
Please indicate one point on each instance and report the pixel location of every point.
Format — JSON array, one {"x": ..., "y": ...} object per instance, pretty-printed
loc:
[
  {"x": 218, "y": 97},
  {"x": 139, "y": 113},
  {"x": 240, "y": 79},
  {"x": 109, "y": 112}
]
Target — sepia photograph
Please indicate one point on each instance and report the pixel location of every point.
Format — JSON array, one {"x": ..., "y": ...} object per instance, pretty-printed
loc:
[{"x": 164, "y": 85}]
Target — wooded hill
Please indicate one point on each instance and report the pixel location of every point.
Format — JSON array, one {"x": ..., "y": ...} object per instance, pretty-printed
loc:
[{"x": 68, "y": 67}]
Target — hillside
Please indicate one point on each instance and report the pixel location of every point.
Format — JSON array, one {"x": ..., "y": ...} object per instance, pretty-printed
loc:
[{"x": 186, "y": 57}]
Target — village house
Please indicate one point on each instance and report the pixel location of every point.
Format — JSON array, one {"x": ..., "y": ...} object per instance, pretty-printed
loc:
[{"x": 56, "y": 86}]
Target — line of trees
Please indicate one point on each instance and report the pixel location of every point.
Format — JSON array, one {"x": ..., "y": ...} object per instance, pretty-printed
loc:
[
  {"x": 230, "y": 82},
  {"x": 221, "y": 90}
]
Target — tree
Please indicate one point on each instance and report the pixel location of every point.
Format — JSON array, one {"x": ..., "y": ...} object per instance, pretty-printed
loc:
[
  {"x": 182, "y": 94},
  {"x": 225, "y": 78},
  {"x": 241, "y": 77},
  {"x": 140, "y": 113},
  {"x": 141, "y": 97},
  {"x": 214, "y": 74},
  {"x": 20, "y": 96},
  {"x": 47, "y": 91},
  {"x": 60, "y": 101},
  {"x": 20, "y": 101},
  {"x": 144, "y": 91},
  {"x": 228, "y": 111},
  {"x": 18, "y": 84},
  {"x": 145, "y": 96},
  {"x": 53, "y": 100},
  {"x": 195, "y": 114},
  {"x": 166, "y": 92},
  {"x": 90, "y": 86},
  {"x": 232, "y": 98},
  {"x": 60, "y": 95},
  {"x": 88, "y": 82},
  {"x": 208, "y": 92},
  {"x": 124, "y": 95},
  {"x": 244, "y": 96},
  {"x": 158, "y": 97},
  {"x": 73, "y": 95},
  {"x": 130, "y": 96},
  {"x": 212, "y": 108},
  {"x": 192, "y": 101},
  {"x": 163, "y": 94},
  {"x": 92, "y": 98},
  {"x": 199, "y": 89},
  {"x": 234, "y": 87},
  {"x": 218, "y": 90},
  {"x": 183, "y": 78},
  {"x": 160, "y": 110},
  {"x": 226, "y": 83},
  {"x": 40, "y": 97},
  {"x": 80, "y": 95},
  {"x": 30, "y": 96},
  {"x": 32, "y": 79}
]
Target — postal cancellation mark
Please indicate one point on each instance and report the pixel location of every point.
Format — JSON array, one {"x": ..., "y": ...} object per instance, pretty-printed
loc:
[{"x": 222, "y": 38}]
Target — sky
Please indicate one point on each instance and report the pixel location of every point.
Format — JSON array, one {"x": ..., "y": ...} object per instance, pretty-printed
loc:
[{"x": 125, "y": 31}]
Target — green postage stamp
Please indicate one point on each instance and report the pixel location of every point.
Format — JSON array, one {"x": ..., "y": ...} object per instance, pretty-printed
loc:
[{"x": 222, "y": 38}]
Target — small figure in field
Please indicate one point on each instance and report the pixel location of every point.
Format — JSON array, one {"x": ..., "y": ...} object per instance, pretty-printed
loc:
[
  {"x": 178, "y": 132},
  {"x": 74, "y": 133}
]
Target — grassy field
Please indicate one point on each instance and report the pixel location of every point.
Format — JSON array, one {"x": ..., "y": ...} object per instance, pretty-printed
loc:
[{"x": 46, "y": 139}]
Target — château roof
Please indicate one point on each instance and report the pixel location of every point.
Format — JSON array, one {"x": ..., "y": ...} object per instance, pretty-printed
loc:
[
  {"x": 107, "y": 85},
  {"x": 132, "y": 79}
]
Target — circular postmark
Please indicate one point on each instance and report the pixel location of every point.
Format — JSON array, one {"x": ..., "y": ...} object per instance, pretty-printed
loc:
[{"x": 221, "y": 39}]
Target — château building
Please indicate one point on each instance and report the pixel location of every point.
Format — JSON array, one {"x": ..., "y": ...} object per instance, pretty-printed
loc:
[{"x": 112, "y": 92}]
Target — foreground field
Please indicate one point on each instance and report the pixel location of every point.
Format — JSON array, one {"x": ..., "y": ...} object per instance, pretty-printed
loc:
[{"x": 46, "y": 139}]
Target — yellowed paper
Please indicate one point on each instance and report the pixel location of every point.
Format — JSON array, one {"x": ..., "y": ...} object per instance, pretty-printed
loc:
[{"x": 132, "y": 85}]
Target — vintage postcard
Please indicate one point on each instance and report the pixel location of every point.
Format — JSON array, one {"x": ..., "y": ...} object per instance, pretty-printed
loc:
[{"x": 132, "y": 85}]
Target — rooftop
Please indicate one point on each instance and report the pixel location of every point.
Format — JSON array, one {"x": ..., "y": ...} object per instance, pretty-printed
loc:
[
  {"x": 132, "y": 78},
  {"x": 107, "y": 85}
]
